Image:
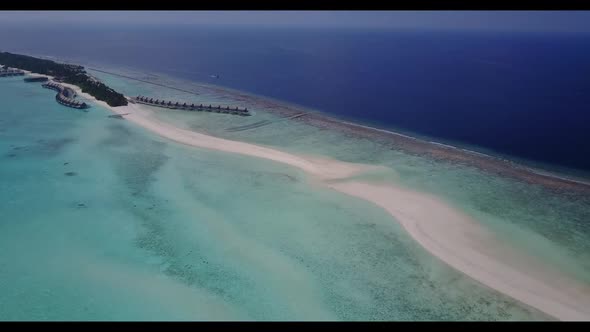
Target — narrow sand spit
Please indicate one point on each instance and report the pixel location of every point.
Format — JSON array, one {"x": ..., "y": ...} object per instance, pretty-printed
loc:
[
  {"x": 467, "y": 246},
  {"x": 444, "y": 231}
]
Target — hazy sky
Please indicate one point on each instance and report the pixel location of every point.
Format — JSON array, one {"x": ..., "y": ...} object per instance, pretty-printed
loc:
[{"x": 570, "y": 21}]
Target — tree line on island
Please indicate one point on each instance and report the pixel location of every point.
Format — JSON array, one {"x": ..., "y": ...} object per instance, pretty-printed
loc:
[{"x": 72, "y": 74}]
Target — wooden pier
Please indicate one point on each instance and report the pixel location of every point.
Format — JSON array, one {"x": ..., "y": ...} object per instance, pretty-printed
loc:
[
  {"x": 191, "y": 107},
  {"x": 265, "y": 123}
]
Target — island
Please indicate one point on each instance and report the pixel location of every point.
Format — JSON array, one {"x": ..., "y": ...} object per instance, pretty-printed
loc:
[{"x": 72, "y": 74}]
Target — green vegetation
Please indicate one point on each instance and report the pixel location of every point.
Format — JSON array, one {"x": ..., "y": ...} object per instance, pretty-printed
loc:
[{"x": 72, "y": 74}]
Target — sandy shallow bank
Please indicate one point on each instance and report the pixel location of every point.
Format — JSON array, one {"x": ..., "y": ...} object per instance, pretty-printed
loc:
[
  {"x": 467, "y": 246},
  {"x": 442, "y": 230}
]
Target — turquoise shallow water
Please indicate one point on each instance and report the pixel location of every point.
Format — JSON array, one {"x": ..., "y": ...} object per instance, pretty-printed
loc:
[
  {"x": 554, "y": 227},
  {"x": 146, "y": 229}
]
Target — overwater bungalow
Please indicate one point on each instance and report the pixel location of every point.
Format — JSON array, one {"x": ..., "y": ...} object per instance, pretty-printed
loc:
[{"x": 70, "y": 102}]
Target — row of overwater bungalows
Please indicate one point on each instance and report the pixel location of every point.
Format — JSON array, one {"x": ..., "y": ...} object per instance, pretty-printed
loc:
[
  {"x": 6, "y": 72},
  {"x": 65, "y": 95},
  {"x": 192, "y": 107}
]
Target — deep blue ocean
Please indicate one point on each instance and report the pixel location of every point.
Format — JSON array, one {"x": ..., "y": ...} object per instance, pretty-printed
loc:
[{"x": 521, "y": 95}]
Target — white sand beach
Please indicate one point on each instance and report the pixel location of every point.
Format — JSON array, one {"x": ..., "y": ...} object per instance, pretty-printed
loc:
[{"x": 442, "y": 230}]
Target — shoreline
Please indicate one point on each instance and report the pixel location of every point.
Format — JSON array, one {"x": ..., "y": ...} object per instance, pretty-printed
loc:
[
  {"x": 496, "y": 165},
  {"x": 453, "y": 237},
  {"x": 420, "y": 146}
]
